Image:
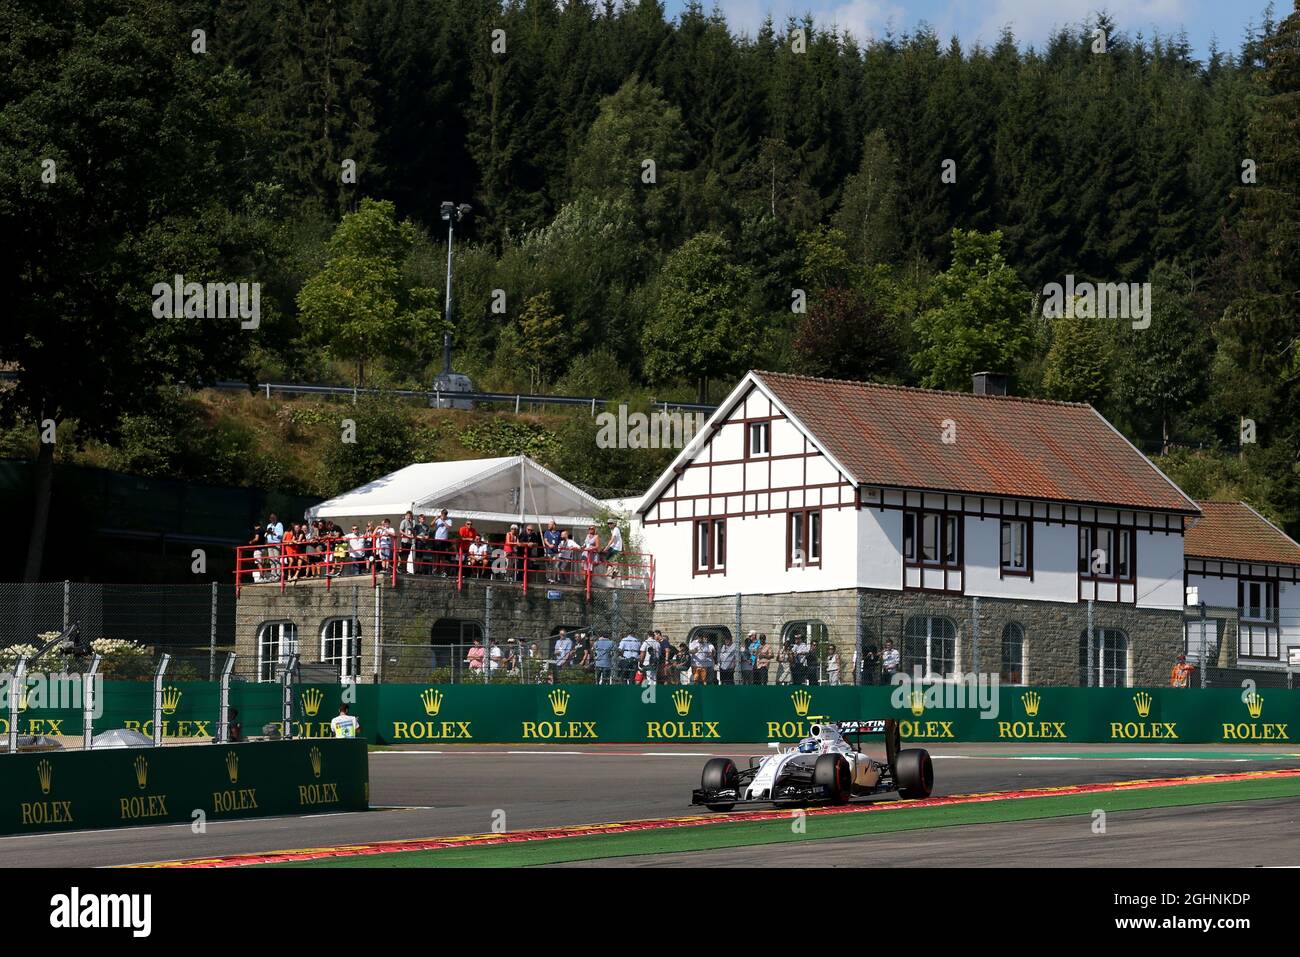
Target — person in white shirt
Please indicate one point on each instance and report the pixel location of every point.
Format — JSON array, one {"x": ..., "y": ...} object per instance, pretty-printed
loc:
[
  {"x": 356, "y": 550},
  {"x": 563, "y": 649},
  {"x": 344, "y": 725},
  {"x": 613, "y": 548},
  {"x": 650, "y": 652},
  {"x": 890, "y": 660},
  {"x": 629, "y": 649},
  {"x": 702, "y": 652}
]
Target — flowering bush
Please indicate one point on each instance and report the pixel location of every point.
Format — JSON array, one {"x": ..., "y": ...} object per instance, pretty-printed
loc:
[{"x": 122, "y": 658}]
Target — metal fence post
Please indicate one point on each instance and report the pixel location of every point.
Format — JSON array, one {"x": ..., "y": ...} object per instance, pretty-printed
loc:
[
  {"x": 1089, "y": 644},
  {"x": 88, "y": 698},
  {"x": 487, "y": 628},
  {"x": 379, "y": 601},
  {"x": 223, "y": 706},
  {"x": 287, "y": 677},
  {"x": 212, "y": 636},
  {"x": 17, "y": 685},
  {"x": 975, "y": 634},
  {"x": 67, "y": 596},
  {"x": 163, "y": 662}
]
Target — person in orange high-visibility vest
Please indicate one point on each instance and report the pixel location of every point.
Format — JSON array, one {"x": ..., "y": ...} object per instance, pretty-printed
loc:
[{"x": 1182, "y": 673}]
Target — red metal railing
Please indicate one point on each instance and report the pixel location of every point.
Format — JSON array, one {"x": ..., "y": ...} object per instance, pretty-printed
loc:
[{"x": 286, "y": 564}]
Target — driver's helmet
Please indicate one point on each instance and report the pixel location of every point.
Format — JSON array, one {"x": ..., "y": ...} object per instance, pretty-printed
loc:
[{"x": 808, "y": 746}]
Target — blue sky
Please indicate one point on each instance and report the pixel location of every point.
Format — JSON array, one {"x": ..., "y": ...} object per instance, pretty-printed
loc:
[{"x": 1033, "y": 21}]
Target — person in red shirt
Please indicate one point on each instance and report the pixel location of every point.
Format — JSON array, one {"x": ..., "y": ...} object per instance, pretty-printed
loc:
[
  {"x": 467, "y": 535},
  {"x": 512, "y": 550}
]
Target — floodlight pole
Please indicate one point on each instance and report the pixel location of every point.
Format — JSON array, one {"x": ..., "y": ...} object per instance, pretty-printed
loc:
[
  {"x": 452, "y": 213},
  {"x": 88, "y": 702},
  {"x": 17, "y": 686},
  {"x": 223, "y": 706},
  {"x": 163, "y": 662}
]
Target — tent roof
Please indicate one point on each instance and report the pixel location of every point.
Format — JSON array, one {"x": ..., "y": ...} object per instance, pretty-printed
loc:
[{"x": 427, "y": 486}]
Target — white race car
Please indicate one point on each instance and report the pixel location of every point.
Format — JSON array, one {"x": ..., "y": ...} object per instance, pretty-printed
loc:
[{"x": 823, "y": 768}]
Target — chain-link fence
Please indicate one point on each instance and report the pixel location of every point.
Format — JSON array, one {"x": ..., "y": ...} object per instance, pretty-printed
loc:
[{"x": 426, "y": 629}]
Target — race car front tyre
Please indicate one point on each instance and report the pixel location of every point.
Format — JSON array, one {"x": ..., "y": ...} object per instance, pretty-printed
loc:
[
  {"x": 832, "y": 772},
  {"x": 719, "y": 773},
  {"x": 914, "y": 774}
]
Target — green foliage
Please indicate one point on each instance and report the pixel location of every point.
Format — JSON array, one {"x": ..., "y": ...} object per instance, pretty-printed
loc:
[
  {"x": 503, "y": 435},
  {"x": 704, "y": 326},
  {"x": 384, "y": 443},
  {"x": 1078, "y": 367},
  {"x": 978, "y": 316}
]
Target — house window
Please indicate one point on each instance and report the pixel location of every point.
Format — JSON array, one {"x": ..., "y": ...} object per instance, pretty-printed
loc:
[
  {"x": 710, "y": 546},
  {"x": 1013, "y": 654},
  {"x": 758, "y": 439},
  {"x": 1257, "y": 633},
  {"x": 1105, "y": 658},
  {"x": 934, "y": 536},
  {"x": 1106, "y": 552},
  {"x": 803, "y": 539},
  {"x": 930, "y": 645},
  {"x": 1015, "y": 548},
  {"x": 276, "y": 641},
  {"x": 1257, "y": 600},
  {"x": 340, "y": 645}
]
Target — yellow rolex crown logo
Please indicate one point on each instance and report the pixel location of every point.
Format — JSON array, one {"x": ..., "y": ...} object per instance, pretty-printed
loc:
[
  {"x": 141, "y": 772},
  {"x": 802, "y": 702},
  {"x": 311, "y": 701},
  {"x": 432, "y": 699},
  {"x": 1254, "y": 704},
  {"x": 314, "y": 754},
  {"x": 1031, "y": 700},
  {"x": 559, "y": 701},
  {"x": 232, "y": 766},
  {"x": 682, "y": 702},
  {"x": 1142, "y": 700},
  {"x": 171, "y": 699},
  {"x": 43, "y": 774},
  {"x": 918, "y": 703}
]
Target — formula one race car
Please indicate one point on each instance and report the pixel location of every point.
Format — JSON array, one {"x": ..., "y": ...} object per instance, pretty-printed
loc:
[{"x": 824, "y": 768}]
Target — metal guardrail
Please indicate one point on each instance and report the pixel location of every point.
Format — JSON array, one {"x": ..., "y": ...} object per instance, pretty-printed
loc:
[{"x": 518, "y": 399}]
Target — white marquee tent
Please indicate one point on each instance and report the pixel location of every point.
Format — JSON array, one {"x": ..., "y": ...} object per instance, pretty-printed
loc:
[{"x": 493, "y": 493}]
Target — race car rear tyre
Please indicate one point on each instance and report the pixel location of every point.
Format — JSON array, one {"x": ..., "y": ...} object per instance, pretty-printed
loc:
[
  {"x": 719, "y": 773},
  {"x": 832, "y": 772},
  {"x": 914, "y": 774}
]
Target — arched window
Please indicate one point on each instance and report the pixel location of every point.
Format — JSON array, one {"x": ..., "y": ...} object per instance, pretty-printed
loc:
[
  {"x": 714, "y": 633},
  {"x": 1105, "y": 658},
  {"x": 929, "y": 644},
  {"x": 1013, "y": 654},
  {"x": 276, "y": 640},
  {"x": 340, "y": 645}
]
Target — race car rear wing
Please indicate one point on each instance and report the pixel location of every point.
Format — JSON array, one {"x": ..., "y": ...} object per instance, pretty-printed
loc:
[{"x": 885, "y": 727}]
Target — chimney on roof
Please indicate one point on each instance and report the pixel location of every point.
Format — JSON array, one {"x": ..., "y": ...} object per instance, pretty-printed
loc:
[{"x": 989, "y": 383}]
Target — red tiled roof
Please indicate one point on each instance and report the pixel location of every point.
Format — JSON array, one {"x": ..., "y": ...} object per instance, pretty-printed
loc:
[
  {"x": 1235, "y": 531},
  {"x": 1005, "y": 445}
]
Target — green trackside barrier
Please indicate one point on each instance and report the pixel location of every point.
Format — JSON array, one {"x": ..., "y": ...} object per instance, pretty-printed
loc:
[
  {"x": 410, "y": 713},
  {"x": 73, "y": 790}
]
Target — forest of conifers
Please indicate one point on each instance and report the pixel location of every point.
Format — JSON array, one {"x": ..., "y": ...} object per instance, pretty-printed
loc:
[{"x": 658, "y": 205}]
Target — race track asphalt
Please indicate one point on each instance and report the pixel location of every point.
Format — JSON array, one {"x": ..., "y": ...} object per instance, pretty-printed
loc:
[{"x": 429, "y": 793}]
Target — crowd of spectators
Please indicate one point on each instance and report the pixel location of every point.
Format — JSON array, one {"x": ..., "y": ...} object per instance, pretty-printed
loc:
[
  {"x": 706, "y": 659},
  {"x": 419, "y": 545}
]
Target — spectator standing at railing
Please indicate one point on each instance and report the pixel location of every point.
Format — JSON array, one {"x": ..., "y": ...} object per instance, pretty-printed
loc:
[
  {"x": 274, "y": 534},
  {"x": 384, "y": 536},
  {"x": 728, "y": 658},
  {"x": 747, "y": 658},
  {"x": 562, "y": 650},
  {"x": 356, "y": 550},
  {"x": 406, "y": 542},
  {"x": 629, "y": 650},
  {"x": 467, "y": 534},
  {"x": 474, "y": 657},
  {"x": 443, "y": 533},
  {"x": 289, "y": 554},
  {"x": 832, "y": 665},
  {"x": 763, "y": 655},
  {"x": 802, "y": 663},
  {"x": 702, "y": 660},
  {"x": 590, "y": 549},
  {"x": 258, "y": 543},
  {"x": 531, "y": 542},
  {"x": 666, "y": 651},
  {"x": 570, "y": 558},
  {"x": 783, "y": 664},
  {"x": 551, "y": 540},
  {"x": 312, "y": 548},
  {"x": 603, "y": 657},
  {"x": 581, "y": 657},
  {"x": 420, "y": 546},
  {"x": 651, "y": 652},
  {"x": 613, "y": 548},
  {"x": 511, "y": 548},
  {"x": 870, "y": 665},
  {"x": 1181, "y": 676},
  {"x": 890, "y": 661}
]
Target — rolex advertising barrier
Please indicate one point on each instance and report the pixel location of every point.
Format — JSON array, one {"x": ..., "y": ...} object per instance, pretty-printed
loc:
[
  {"x": 412, "y": 713},
  {"x": 118, "y": 787}
]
